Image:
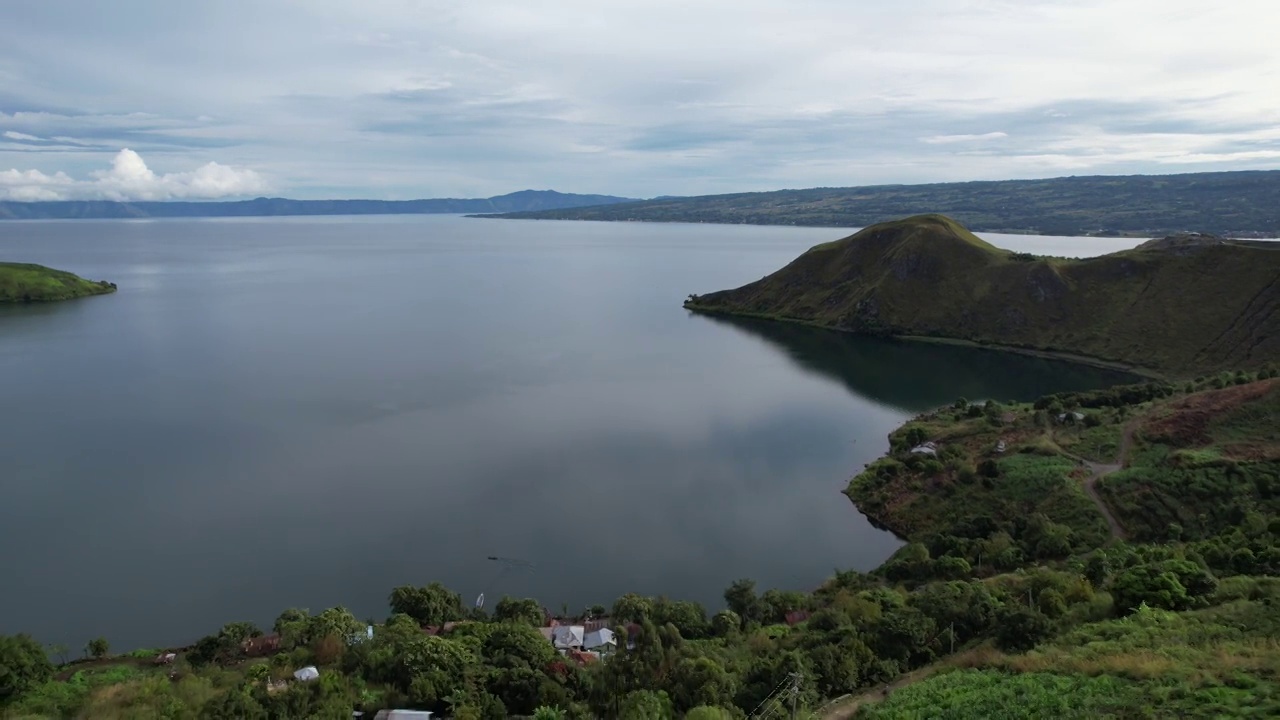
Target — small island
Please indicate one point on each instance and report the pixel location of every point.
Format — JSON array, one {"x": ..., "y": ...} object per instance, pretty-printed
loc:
[{"x": 27, "y": 283}]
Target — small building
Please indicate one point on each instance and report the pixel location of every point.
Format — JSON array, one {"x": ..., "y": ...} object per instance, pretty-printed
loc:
[
  {"x": 166, "y": 658},
  {"x": 925, "y": 448},
  {"x": 1000, "y": 447},
  {"x": 601, "y": 640},
  {"x": 261, "y": 645},
  {"x": 1070, "y": 417},
  {"x": 795, "y": 617},
  {"x": 306, "y": 674},
  {"x": 566, "y": 637}
]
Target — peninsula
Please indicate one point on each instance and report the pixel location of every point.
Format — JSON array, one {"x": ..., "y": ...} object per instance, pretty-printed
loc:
[
  {"x": 1182, "y": 305},
  {"x": 26, "y": 283}
]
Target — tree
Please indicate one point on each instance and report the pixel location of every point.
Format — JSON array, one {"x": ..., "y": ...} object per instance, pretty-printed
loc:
[
  {"x": 526, "y": 611},
  {"x": 1098, "y": 569},
  {"x": 915, "y": 435},
  {"x": 337, "y": 622},
  {"x": 725, "y": 622},
  {"x": 1052, "y": 603},
  {"x": 434, "y": 668},
  {"x": 1150, "y": 583},
  {"x": 701, "y": 681},
  {"x": 430, "y": 605},
  {"x": 226, "y": 646},
  {"x": 291, "y": 626},
  {"x": 689, "y": 618},
  {"x": 517, "y": 657},
  {"x": 631, "y": 608},
  {"x": 646, "y": 705},
  {"x": 1020, "y": 629},
  {"x": 23, "y": 665},
  {"x": 970, "y": 606},
  {"x": 97, "y": 648},
  {"x": 741, "y": 599},
  {"x": 781, "y": 602}
]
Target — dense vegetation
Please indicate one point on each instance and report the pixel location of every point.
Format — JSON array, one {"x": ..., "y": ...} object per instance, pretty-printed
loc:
[
  {"x": 524, "y": 200},
  {"x": 1175, "y": 306},
  {"x": 35, "y": 283},
  {"x": 1238, "y": 204},
  {"x": 1013, "y": 597},
  {"x": 1216, "y": 662}
]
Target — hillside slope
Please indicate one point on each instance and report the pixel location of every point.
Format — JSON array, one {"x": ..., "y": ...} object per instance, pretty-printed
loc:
[
  {"x": 1179, "y": 306},
  {"x": 20, "y": 282},
  {"x": 1239, "y": 204}
]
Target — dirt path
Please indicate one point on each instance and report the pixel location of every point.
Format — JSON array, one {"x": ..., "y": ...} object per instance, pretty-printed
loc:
[
  {"x": 848, "y": 706},
  {"x": 1098, "y": 470}
]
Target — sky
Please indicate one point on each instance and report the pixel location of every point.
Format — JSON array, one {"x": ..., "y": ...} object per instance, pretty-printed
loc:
[{"x": 398, "y": 99}]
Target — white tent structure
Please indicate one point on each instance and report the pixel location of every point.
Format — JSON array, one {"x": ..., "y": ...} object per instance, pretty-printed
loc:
[{"x": 306, "y": 674}]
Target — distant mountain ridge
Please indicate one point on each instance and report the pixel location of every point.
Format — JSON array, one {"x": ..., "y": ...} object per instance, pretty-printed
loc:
[
  {"x": 1177, "y": 306},
  {"x": 1231, "y": 204},
  {"x": 522, "y": 201}
]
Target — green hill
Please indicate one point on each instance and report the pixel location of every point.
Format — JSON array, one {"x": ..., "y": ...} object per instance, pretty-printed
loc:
[
  {"x": 24, "y": 283},
  {"x": 1182, "y": 305}
]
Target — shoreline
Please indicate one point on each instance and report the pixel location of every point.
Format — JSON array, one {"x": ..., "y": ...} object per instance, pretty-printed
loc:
[{"x": 961, "y": 342}]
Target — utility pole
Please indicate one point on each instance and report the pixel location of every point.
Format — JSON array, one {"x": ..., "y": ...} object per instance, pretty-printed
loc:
[
  {"x": 795, "y": 693},
  {"x": 953, "y": 637}
]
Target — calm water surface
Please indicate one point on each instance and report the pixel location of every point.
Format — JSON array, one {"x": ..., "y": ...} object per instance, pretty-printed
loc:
[{"x": 310, "y": 411}]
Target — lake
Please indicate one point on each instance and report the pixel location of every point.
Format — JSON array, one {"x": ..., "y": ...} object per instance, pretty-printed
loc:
[{"x": 277, "y": 412}]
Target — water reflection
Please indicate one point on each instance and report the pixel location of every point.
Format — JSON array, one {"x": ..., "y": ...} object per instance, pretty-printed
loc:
[{"x": 915, "y": 376}]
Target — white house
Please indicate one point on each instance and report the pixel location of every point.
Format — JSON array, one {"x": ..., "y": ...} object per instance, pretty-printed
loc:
[
  {"x": 602, "y": 639},
  {"x": 566, "y": 637}
]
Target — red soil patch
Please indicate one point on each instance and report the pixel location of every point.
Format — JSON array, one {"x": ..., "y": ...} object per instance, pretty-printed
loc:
[{"x": 1188, "y": 419}]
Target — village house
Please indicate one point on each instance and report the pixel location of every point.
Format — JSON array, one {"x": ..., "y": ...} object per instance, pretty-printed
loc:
[{"x": 925, "y": 448}]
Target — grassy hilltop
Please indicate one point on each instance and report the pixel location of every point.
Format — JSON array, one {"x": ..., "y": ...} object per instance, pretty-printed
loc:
[
  {"x": 1023, "y": 592},
  {"x": 20, "y": 282},
  {"x": 1176, "y": 306}
]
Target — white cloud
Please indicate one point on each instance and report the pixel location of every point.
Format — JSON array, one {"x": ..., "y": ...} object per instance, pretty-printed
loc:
[
  {"x": 130, "y": 179},
  {"x": 20, "y": 136},
  {"x": 947, "y": 139},
  {"x": 680, "y": 96}
]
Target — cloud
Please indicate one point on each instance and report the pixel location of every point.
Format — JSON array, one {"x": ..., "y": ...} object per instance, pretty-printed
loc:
[
  {"x": 390, "y": 98},
  {"x": 20, "y": 136},
  {"x": 948, "y": 139},
  {"x": 130, "y": 179}
]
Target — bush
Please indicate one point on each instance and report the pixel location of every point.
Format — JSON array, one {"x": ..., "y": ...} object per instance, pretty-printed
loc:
[
  {"x": 1021, "y": 629},
  {"x": 23, "y": 665}
]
